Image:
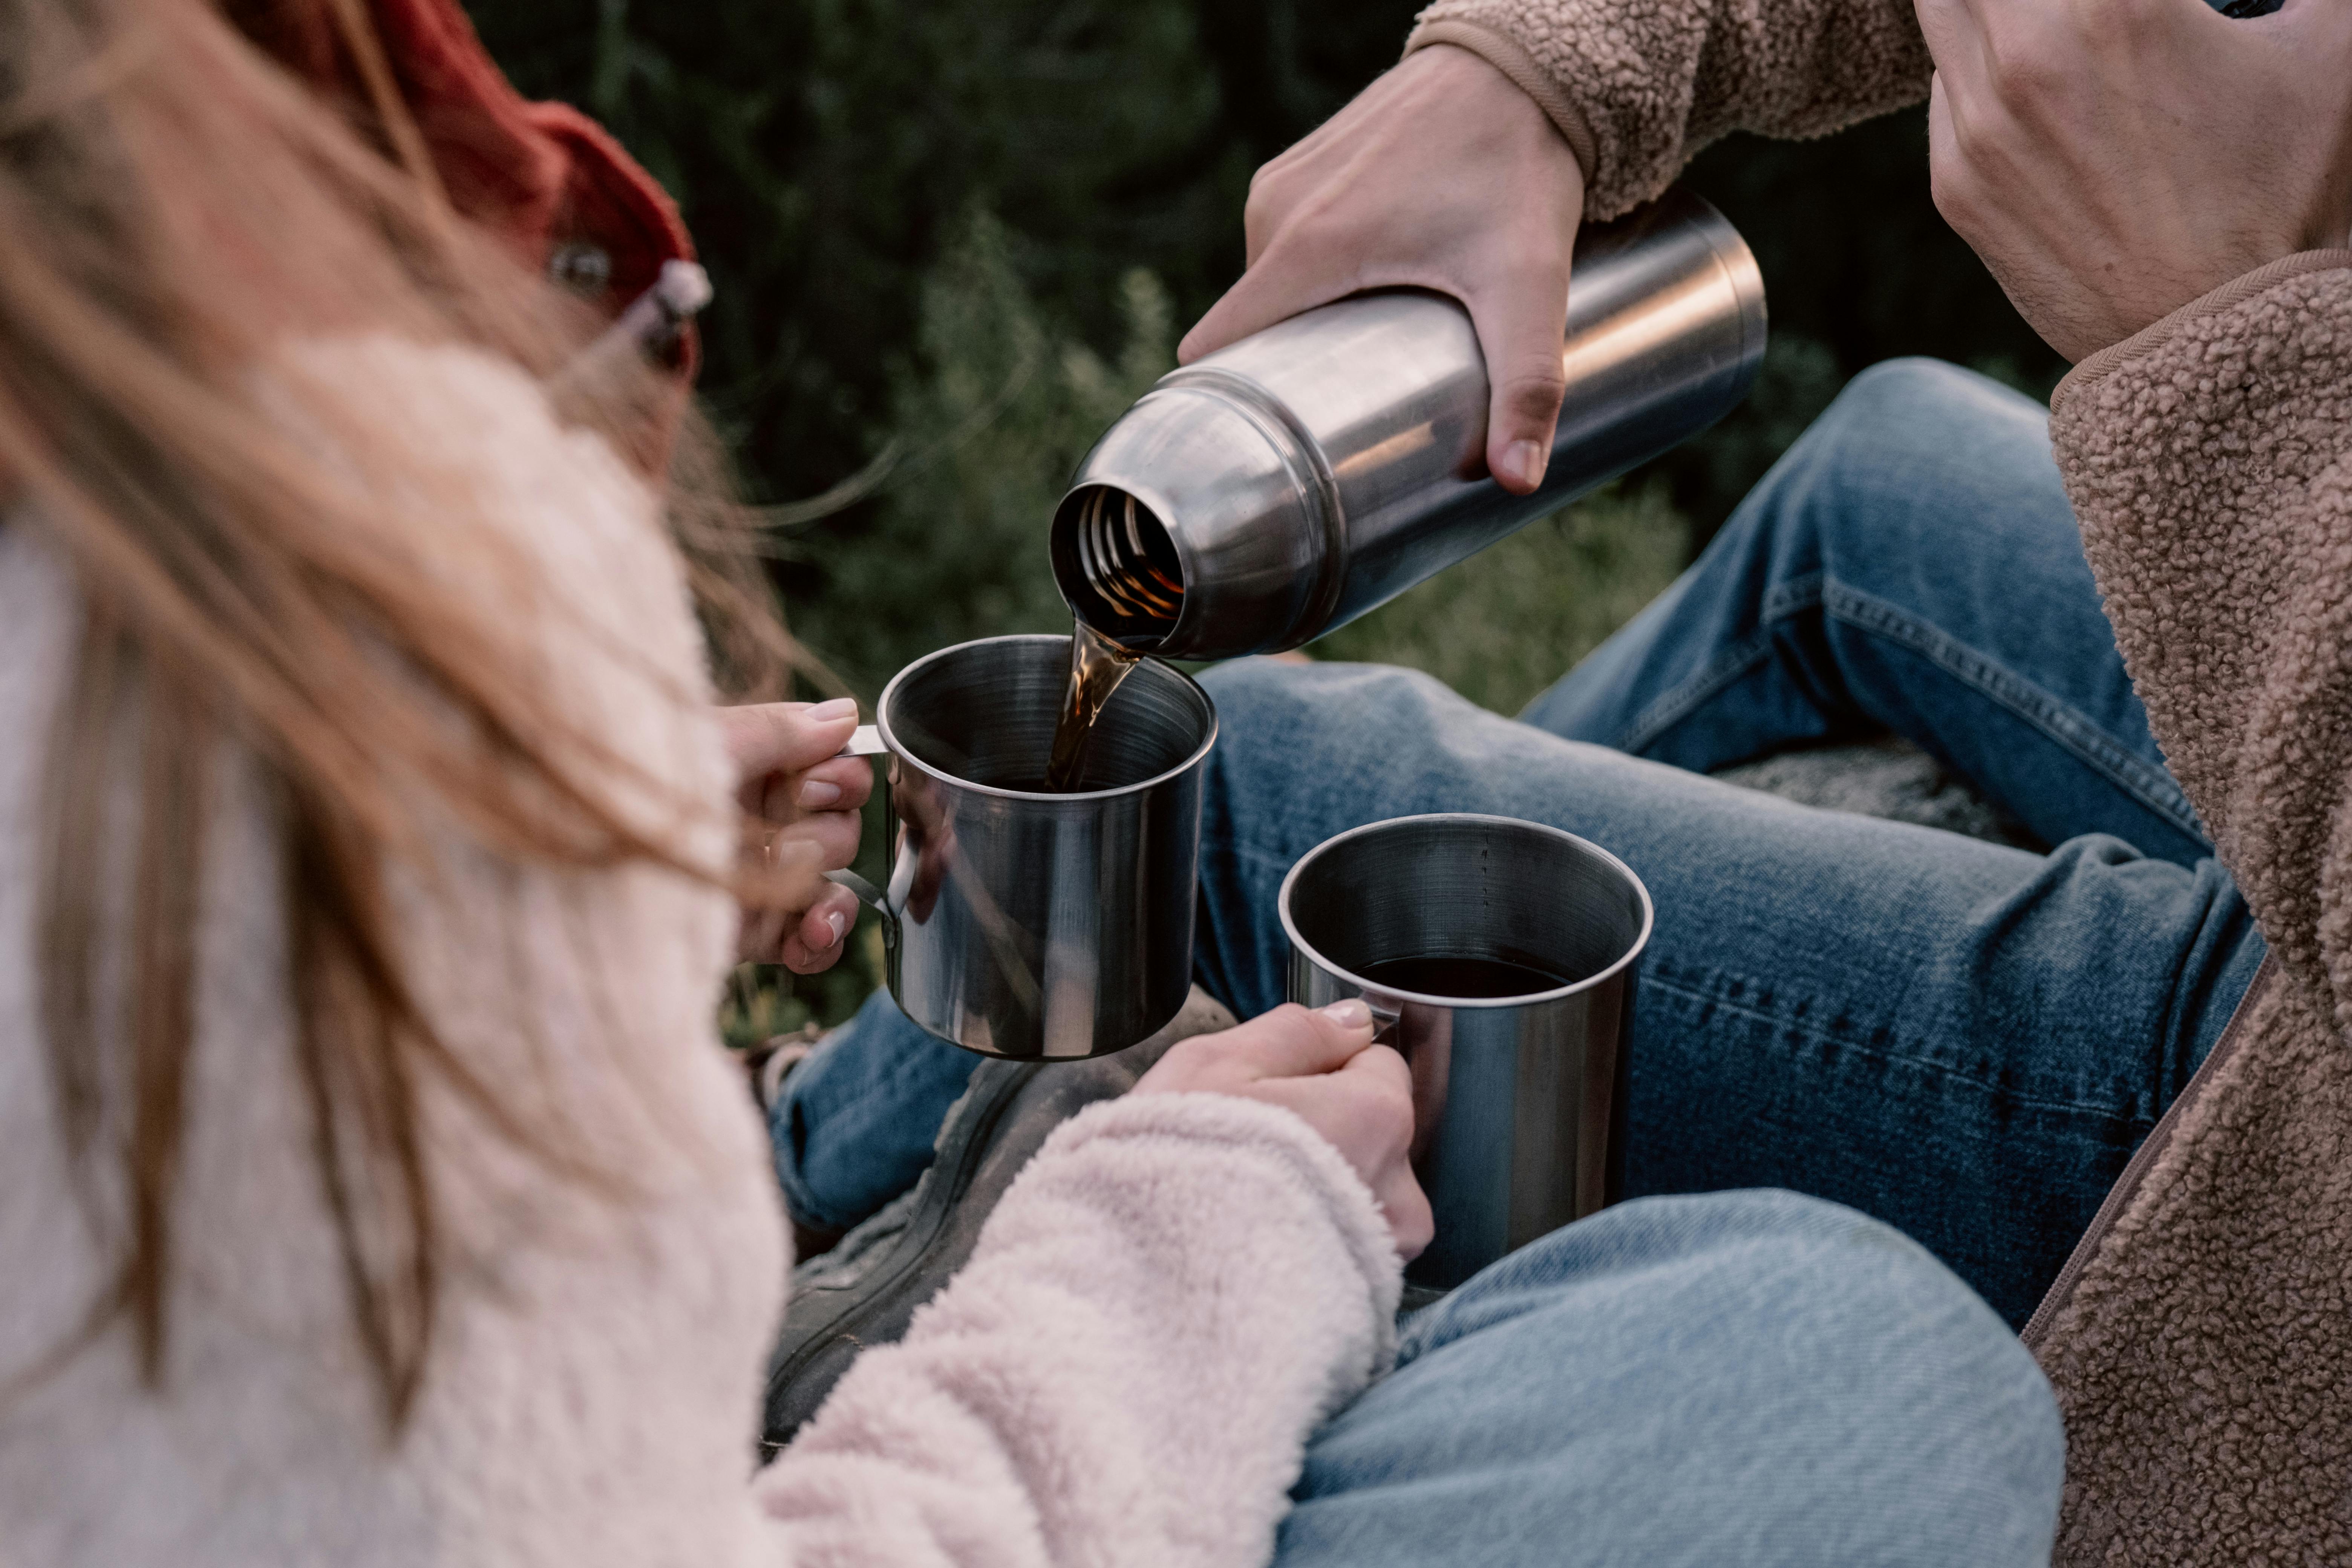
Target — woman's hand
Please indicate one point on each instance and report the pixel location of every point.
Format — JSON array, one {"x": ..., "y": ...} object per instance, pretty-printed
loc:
[
  {"x": 1442, "y": 174},
  {"x": 799, "y": 802},
  {"x": 1323, "y": 1066},
  {"x": 2113, "y": 160}
]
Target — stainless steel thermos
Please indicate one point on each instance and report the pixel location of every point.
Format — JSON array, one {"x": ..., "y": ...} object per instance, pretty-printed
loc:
[{"x": 1287, "y": 484}]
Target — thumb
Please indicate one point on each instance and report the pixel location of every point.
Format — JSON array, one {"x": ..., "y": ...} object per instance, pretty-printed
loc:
[
  {"x": 1520, "y": 326},
  {"x": 786, "y": 737},
  {"x": 1293, "y": 1042}
]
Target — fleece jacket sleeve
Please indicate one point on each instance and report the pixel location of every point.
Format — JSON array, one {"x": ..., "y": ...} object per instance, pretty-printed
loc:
[
  {"x": 2199, "y": 1357},
  {"x": 2209, "y": 460},
  {"x": 1638, "y": 86},
  {"x": 1175, "y": 1293}
]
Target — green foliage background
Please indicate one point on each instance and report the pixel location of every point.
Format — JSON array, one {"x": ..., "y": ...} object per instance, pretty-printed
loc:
[{"x": 953, "y": 238}]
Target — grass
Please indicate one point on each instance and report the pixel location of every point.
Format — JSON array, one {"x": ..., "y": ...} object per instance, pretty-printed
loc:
[{"x": 1510, "y": 621}]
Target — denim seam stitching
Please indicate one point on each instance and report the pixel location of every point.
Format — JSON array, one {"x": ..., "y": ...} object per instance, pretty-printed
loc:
[
  {"x": 1782, "y": 601},
  {"x": 2020, "y": 696},
  {"x": 1650, "y": 978}
]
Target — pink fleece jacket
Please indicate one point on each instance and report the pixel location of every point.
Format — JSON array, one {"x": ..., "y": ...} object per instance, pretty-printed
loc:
[{"x": 1174, "y": 1294}]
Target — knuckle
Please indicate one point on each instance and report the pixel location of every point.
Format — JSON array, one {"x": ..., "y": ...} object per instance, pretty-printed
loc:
[
  {"x": 1258, "y": 226},
  {"x": 1396, "y": 1112},
  {"x": 2022, "y": 63},
  {"x": 1274, "y": 199},
  {"x": 1268, "y": 176},
  {"x": 1232, "y": 1050},
  {"x": 1264, "y": 202},
  {"x": 1975, "y": 142},
  {"x": 1953, "y": 191},
  {"x": 1387, "y": 1098}
]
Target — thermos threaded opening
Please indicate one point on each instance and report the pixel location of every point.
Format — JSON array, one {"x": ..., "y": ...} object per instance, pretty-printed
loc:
[{"x": 1117, "y": 566}]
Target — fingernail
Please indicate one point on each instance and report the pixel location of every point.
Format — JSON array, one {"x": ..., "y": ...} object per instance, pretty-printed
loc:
[
  {"x": 839, "y": 707},
  {"x": 1523, "y": 463},
  {"x": 1350, "y": 1014},
  {"x": 816, "y": 792},
  {"x": 837, "y": 924}
]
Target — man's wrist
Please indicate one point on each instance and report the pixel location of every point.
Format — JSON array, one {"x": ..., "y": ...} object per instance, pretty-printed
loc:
[
  {"x": 1507, "y": 55},
  {"x": 2095, "y": 368}
]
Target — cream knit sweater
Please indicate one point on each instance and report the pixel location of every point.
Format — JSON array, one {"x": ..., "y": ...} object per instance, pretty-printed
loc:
[{"x": 1176, "y": 1292}]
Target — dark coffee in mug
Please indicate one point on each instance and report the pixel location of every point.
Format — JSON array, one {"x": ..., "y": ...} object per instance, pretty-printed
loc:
[{"x": 1463, "y": 978}]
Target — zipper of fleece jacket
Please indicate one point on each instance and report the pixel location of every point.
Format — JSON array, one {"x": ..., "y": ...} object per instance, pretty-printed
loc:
[{"x": 2143, "y": 1158}]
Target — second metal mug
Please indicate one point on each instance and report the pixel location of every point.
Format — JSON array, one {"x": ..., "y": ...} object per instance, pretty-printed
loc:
[
  {"x": 1518, "y": 1100},
  {"x": 1022, "y": 924}
]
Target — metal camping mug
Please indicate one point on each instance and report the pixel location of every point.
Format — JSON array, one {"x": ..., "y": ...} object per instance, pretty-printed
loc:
[
  {"x": 1518, "y": 1100},
  {"x": 1026, "y": 924}
]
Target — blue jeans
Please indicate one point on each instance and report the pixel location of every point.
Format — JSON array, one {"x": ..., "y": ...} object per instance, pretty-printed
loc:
[
  {"x": 1961, "y": 1041},
  {"x": 1746, "y": 1378}
]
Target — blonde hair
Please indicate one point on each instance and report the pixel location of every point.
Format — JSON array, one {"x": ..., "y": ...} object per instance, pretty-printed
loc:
[{"x": 174, "y": 207}]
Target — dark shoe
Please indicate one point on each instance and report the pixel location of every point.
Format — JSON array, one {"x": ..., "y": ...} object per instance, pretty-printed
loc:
[{"x": 866, "y": 1290}]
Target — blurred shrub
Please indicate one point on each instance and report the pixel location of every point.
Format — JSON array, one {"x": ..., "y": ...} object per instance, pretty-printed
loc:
[
  {"x": 1510, "y": 621},
  {"x": 987, "y": 422}
]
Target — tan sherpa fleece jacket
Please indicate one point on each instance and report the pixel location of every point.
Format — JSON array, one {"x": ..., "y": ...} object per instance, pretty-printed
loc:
[{"x": 2200, "y": 1338}]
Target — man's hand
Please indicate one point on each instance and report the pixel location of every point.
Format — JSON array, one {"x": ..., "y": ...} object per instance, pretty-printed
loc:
[
  {"x": 1443, "y": 175},
  {"x": 799, "y": 804},
  {"x": 1323, "y": 1066},
  {"x": 2113, "y": 160}
]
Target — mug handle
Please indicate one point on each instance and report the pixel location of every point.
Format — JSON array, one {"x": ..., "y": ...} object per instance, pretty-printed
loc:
[
  {"x": 868, "y": 893},
  {"x": 866, "y": 742}
]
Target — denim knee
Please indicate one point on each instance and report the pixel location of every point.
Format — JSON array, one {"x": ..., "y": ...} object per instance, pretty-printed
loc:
[
  {"x": 1901, "y": 429},
  {"x": 854, "y": 1124},
  {"x": 1859, "y": 469},
  {"x": 1249, "y": 692},
  {"x": 1287, "y": 727},
  {"x": 1242, "y": 688},
  {"x": 1859, "y": 1365},
  {"x": 1911, "y": 403}
]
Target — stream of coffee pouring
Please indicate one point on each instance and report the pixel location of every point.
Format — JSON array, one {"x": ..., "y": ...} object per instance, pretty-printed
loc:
[
  {"x": 1097, "y": 665},
  {"x": 1097, "y": 662}
]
